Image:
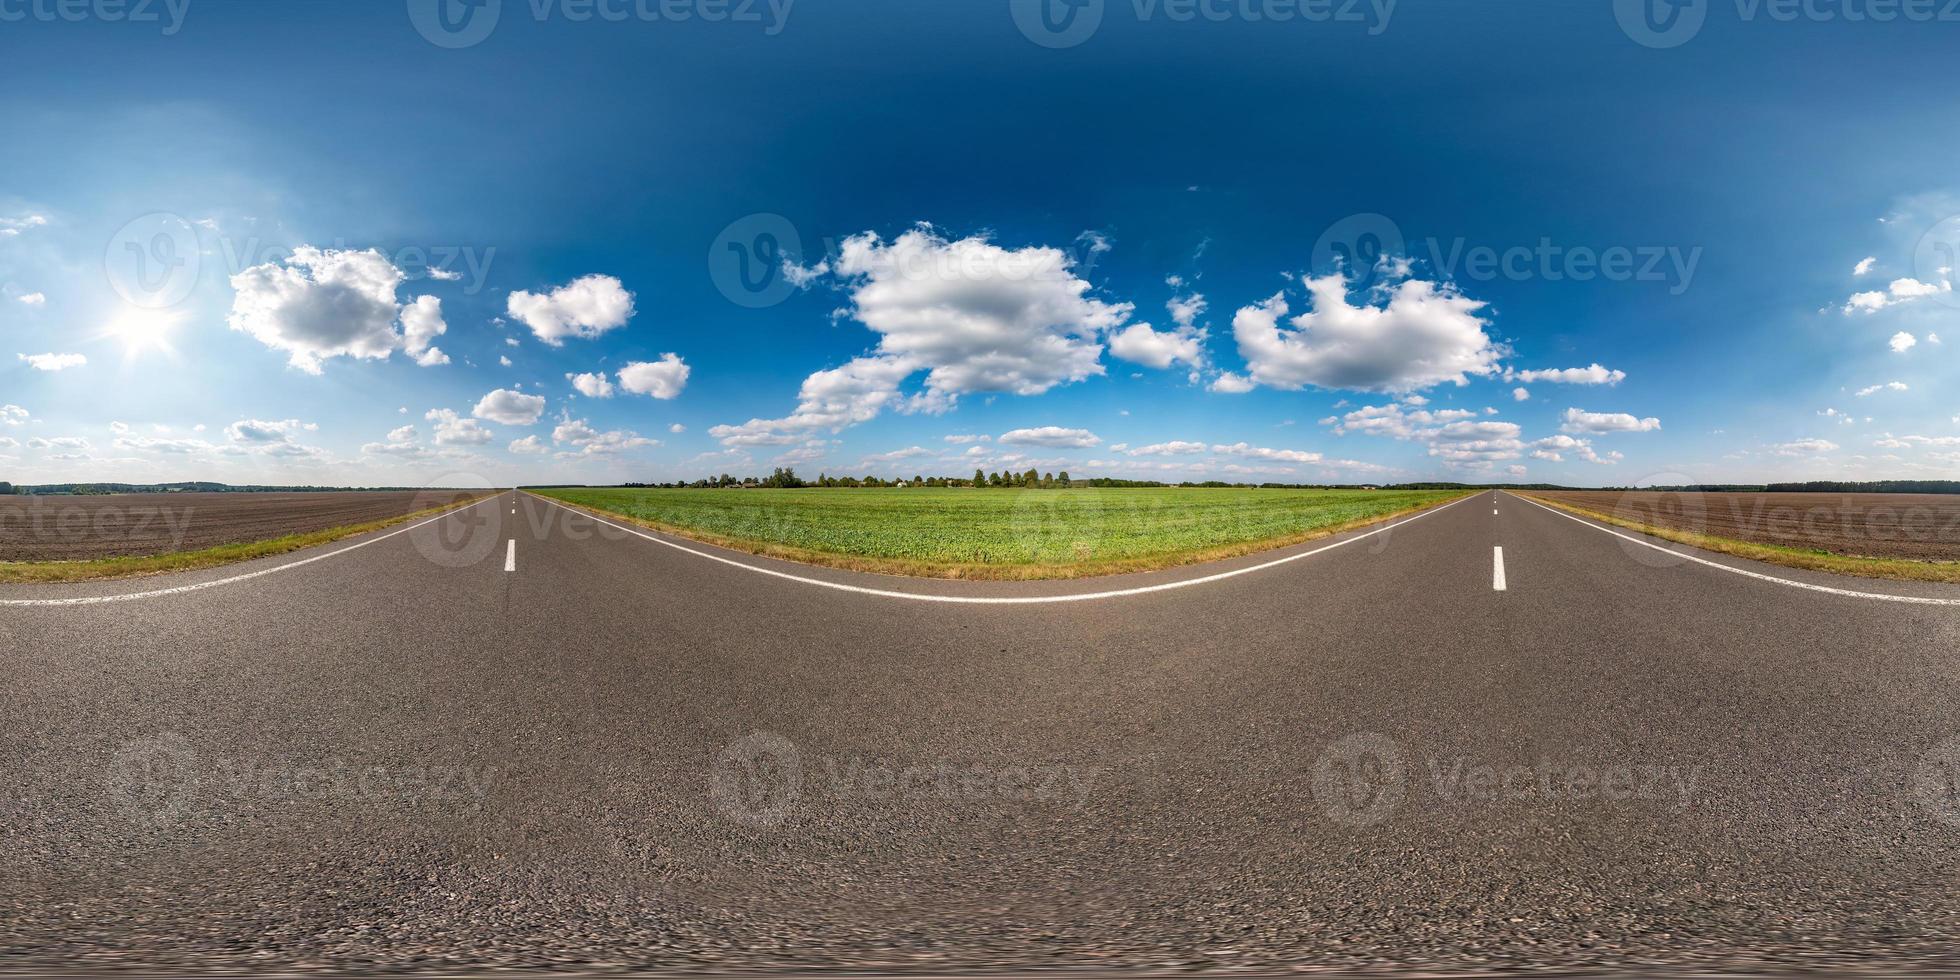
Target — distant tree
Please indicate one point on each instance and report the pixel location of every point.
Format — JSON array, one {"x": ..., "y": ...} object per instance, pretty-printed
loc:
[
  {"x": 6, "y": 489},
  {"x": 979, "y": 478},
  {"x": 1031, "y": 479},
  {"x": 1061, "y": 479}
]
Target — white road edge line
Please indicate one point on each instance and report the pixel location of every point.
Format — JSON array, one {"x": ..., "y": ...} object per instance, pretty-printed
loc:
[
  {"x": 133, "y": 596},
  {"x": 1793, "y": 583},
  {"x": 1009, "y": 600},
  {"x": 1497, "y": 569},
  {"x": 510, "y": 556}
]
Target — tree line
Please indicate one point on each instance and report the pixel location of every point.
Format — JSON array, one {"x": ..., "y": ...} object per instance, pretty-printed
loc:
[{"x": 785, "y": 478}]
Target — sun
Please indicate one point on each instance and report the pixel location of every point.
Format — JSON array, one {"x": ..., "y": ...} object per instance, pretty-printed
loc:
[{"x": 143, "y": 330}]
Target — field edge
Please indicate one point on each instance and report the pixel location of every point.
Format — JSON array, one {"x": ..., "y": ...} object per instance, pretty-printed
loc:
[
  {"x": 144, "y": 566},
  {"x": 1890, "y": 569},
  {"x": 999, "y": 573}
]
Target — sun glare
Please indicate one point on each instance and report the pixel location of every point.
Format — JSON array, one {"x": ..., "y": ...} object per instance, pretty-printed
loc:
[{"x": 143, "y": 330}]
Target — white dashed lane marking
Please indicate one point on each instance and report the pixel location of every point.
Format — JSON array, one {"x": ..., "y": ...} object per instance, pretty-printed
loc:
[{"x": 1792, "y": 583}]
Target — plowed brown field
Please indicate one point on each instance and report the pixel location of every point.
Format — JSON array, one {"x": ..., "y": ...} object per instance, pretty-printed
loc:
[
  {"x": 1921, "y": 527},
  {"x": 59, "y": 528}
]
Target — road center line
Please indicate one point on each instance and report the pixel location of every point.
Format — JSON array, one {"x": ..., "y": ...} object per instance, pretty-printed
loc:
[
  {"x": 177, "y": 590},
  {"x": 1497, "y": 569},
  {"x": 1006, "y": 600},
  {"x": 1793, "y": 583},
  {"x": 510, "y": 556}
]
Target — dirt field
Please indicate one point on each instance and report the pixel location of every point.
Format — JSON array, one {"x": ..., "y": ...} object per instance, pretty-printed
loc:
[
  {"x": 58, "y": 528},
  {"x": 1917, "y": 527}
]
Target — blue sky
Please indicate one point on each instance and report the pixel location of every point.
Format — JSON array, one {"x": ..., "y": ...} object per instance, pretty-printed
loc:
[{"x": 1246, "y": 240}]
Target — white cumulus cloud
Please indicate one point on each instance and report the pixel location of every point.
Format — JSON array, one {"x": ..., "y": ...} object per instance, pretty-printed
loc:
[
  {"x": 1262, "y": 452},
  {"x": 1592, "y": 375},
  {"x": 510, "y": 407},
  {"x": 325, "y": 303},
  {"x": 454, "y": 430},
  {"x": 1405, "y": 336},
  {"x": 592, "y": 384},
  {"x": 585, "y": 307},
  {"x": 662, "y": 379},
  {"x": 1051, "y": 436},
  {"x": 422, "y": 323},
  {"x": 1139, "y": 343},
  {"x": 53, "y": 362},
  {"x": 1579, "y": 420},
  {"x": 1900, "y": 291},
  {"x": 973, "y": 316},
  {"x": 1172, "y": 448}
]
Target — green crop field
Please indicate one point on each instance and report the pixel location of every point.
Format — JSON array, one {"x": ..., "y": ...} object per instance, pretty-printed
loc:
[{"x": 993, "y": 533}]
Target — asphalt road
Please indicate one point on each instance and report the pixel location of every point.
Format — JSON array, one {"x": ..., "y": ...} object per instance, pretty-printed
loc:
[{"x": 516, "y": 737}]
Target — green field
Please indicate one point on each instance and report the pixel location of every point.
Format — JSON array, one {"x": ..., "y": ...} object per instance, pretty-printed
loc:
[{"x": 968, "y": 533}]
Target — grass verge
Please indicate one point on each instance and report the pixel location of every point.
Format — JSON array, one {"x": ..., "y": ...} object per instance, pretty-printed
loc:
[
  {"x": 977, "y": 571},
  {"x": 97, "y": 569},
  {"x": 1896, "y": 569}
]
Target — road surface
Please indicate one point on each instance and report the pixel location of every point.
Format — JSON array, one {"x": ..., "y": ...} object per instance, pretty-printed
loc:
[{"x": 516, "y": 736}]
